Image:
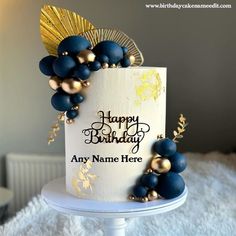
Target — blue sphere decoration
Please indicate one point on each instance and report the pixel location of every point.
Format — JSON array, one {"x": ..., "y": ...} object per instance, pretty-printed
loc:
[
  {"x": 82, "y": 72},
  {"x": 94, "y": 66},
  {"x": 149, "y": 180},
  {"x": 61, "y": 101},
  {"x": 139, "y": 191},
  {"x": 73, "y": 45},
  {"x": 45, "y": 65},
  {"x": 178, "y": 162},
  {"x": 170, "y": 185},
  {"x": 63, "y": 66},
  {"x": 77, "y": 98},
  {"x": 111, "y": 49},
  {"x": 71, "y": 114},
  {"x": 165, "y": 147},
  {"x": 125, "y": 50},
  {"x": 125, "y": 62},
  {"x": 102, "y": 58}
]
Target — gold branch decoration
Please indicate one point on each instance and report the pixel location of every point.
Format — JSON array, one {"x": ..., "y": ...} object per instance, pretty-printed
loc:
[
  {"x": 55, "y": 128},
  {"x": 57, "y": 24},
  {"x": 83, "y": 180},
  {"x": 182, "y": 124}
]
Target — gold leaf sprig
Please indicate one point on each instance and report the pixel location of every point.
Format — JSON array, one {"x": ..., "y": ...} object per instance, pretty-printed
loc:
[
  {"x": 55, "y": 128},
  {"x": 182, "y": 124}
]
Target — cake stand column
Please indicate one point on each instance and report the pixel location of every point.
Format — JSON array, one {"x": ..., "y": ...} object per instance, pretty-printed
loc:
[{"x": 114, "y": 226}]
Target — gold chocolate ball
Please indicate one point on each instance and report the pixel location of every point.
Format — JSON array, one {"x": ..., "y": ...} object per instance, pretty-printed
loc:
[
  {"x": 144, "y": 199},
  {"x": 64, "y": 53},
  {"x": 105, "y": 65},
  {"x": 152, "y": 195},
  {"x": 113, "y": 66},
  {"x": 132, "y": 59},
  {"x": 86, "y": 83},
  {"x": 71, "y": 86},
  {"x": 86, "y": 56},
  {"x": 76, "y": 107},
  {"x": 69, "y": 121},
  {"x": 131, "y": 197},
  {"x": 160, "y": 165},
  {"x": 54, "y": 82}
]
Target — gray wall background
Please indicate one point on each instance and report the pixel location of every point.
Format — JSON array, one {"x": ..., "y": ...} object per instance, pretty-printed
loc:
[{"x": 197, "y": 46}]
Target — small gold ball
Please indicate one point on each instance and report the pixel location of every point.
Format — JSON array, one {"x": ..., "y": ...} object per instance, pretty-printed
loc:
[
  {"x": 144, "y": 199},
  {"x": 54, "y": 82},
  {"x": 69, "y": 121},
  {"x": 113, "y": 66},
  {"x": 64, "y": 53},
  {"x": 71, "y": 86},
  {"x": 131, "y": 197},
  {"x": 76, "y": 107},
  {"x": 86, "y": 83},
  {"x": 86, "y": 56},
  {"x": 149, "y": 170},
  {"x": 160, "y": 165},
  {"x": 152, "y": 195},
  {"x": 132, "y": 59},
  {"x": 105, "y": 65}
]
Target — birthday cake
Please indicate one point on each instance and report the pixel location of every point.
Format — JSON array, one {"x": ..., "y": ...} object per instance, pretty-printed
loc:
[{"x": 114, "y": 112}]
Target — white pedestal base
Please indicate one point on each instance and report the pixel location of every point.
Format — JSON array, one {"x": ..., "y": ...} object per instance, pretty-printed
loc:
[{"x": 114, "y": 213}]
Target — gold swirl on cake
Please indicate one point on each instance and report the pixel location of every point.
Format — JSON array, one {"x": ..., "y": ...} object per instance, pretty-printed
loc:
[
  {"x": 57, "y": 24},
  {"x": 97, "y": 35},
  {"x": 83, "y": 180},
  {"x": 149, "y": 87}
]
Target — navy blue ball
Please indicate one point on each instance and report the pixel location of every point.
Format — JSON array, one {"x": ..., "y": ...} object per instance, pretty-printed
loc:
[
  {"x": 102, "y": 58},
  {"x": 94, "y": 66},
  {"x": 111, "y": 49},
  {"x": 73, "y": 45},
  {"x": 139, "y": 191},
  {"x": 77, "y": 98},
  {"x": 149, "y": 180},
  {"x": 125, "y": 50},
  {"x": 178, "y": 162},
  {"x": 45, "y": 65},
  {"x": 170, "y": 185},
  {"x": 125, "y": 62},
  {"x": 63, "y": 66},
  {"x": 82, "y": 72},
  {"x": 165, "y": 147},
  {"x": 71, "y": 114},
  {"x": 61, "y": 101}
]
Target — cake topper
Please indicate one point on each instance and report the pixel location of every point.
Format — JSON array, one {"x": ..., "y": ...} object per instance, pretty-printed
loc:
[{"x": 76, "y": 50}]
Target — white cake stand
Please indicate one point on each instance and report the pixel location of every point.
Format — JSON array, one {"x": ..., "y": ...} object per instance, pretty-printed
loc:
[{"x": 114, "y": 213}]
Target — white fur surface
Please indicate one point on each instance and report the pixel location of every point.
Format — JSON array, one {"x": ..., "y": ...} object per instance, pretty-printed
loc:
[{"x": 210, "y": 208}]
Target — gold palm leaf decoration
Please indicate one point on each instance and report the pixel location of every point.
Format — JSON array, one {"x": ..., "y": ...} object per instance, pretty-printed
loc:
[
  {"x": 57, "y": 24},
  {"x": 97, "y": 35}
]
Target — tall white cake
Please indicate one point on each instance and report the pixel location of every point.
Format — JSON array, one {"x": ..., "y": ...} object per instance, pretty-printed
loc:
[{"x": 109, "y": 144}]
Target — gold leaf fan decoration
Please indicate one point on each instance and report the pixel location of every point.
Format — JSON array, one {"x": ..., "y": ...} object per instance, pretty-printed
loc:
[
  {"x": 57, "y": 24},
  {"x": 97, "y": 35}
]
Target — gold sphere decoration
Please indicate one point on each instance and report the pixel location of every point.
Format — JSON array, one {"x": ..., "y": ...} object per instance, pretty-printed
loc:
[
  {"x": 86, "y": 56},
  {"x": 113, "y": 66},
  {"x": 149, "y": 170},
  {"x": 131, "y": 197},
  {"x": 86, "y": 84},
  {"x": 152, "y": 195},
  {"x": 132, "y": 59},
  {"x": 160, "y": 165},
  {"x": 54, "y": 82},
  {"x": 76, "y": 107},
  {"x": 69, "y": 121},
  {"x": 144, "y": 199},
  {"x": 71, "y": 86},
  {"x": 65, "y": 54},
  {"x": 105, "y": 65}
]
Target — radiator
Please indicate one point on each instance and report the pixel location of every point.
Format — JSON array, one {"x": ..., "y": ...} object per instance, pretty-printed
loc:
[{"x": 26, "y": 175}]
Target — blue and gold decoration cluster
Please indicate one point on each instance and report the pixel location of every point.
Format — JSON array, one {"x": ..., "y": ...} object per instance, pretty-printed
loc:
[{"x": 162, "y": 178}]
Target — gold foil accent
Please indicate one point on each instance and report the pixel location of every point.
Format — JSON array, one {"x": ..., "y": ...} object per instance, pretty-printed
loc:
[
  {"x": 97, "y": 35},
  {"x": 83, "y": 181},
  {"x": 178, "y": 134},
  {"x": 55, "y": 128},
  {"x": 149, "y": 87},
  {"x": 57, "y": 24}
]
